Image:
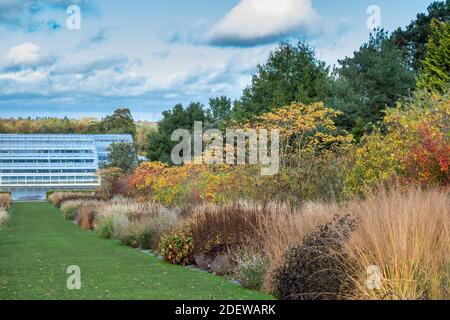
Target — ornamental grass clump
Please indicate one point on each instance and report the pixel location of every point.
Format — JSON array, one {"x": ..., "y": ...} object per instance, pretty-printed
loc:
[
  {"x": 69, "y": 208},
  {"x": 57, "y": 198},
  {"x": 5, "y": 200},
  {"x": 87, "y": 214},
  {"x": 110, "y": 226},
  {"x": 250, "y": 270},
  {"x": 406, "y": 233},
  {"x": 217, "y": 230},
  {"x": 4, "y": 217}
]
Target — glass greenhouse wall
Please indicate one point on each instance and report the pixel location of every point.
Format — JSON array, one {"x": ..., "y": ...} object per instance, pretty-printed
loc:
[{"x": 32, "y": 164}]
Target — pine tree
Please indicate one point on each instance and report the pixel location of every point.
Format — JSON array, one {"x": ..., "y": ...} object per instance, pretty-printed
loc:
[{"x": 436, "y": 66}]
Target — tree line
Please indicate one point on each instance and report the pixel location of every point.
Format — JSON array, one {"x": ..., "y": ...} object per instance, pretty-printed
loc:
[{"x": 386, "y": 68}]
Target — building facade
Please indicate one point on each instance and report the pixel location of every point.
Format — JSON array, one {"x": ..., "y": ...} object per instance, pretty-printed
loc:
[{"x": 32, "y": 164}]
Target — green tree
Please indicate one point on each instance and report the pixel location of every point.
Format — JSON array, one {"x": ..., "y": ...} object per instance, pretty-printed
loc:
[
  {"x": 369, "y": 82},
  {"x": 413, "y": 39},
  {"x": 121, "y": 121},
  {"x": 219, "y": 111},
  {"x": 122, "y": 155},
  {"x": 219, "y": 108},
  {"x": 291, "y": 74},
  {"x": 160, "y": 144},
  {"x": 436, "y": 66}
]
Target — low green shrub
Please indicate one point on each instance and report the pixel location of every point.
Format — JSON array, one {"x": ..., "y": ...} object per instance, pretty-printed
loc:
[{"x": 177, "y": 246}]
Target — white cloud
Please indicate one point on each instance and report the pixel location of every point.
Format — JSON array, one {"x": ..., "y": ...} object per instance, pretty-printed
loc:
[
  {"x": 26, "y": 53},
  {"x": 253, "y": 22}
]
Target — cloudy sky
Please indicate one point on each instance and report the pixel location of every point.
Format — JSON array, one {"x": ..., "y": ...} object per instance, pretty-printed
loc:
[{"x": 150, "y": 55}]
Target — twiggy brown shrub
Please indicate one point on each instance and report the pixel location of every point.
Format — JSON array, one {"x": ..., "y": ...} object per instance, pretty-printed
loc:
[{"x": 317, "y": 269}]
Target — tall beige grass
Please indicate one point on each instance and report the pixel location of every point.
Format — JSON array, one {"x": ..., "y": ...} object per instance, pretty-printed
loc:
[
  {"x": 5, "y": 200},
  {"x": 4, "y": 217},
  {"x": 406, "y": 234}
]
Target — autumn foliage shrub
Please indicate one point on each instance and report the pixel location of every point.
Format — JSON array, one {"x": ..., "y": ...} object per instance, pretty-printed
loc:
[
  {"x": 428, "y": 160},
  {"x": 312, "y": 152},
  {"x": 414, "y": 148},
  {"x": 177, "y": 246}
]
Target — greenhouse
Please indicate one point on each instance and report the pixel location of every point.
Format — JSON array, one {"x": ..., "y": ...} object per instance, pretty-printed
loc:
[{"x": 32, "y": 164}]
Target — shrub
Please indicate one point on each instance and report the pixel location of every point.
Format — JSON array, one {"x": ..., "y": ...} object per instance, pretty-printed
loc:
[
  {"x": 177, "y": 246},
  {"x": 317, "y": 269},
  {"x": 428, "y": 161},
  {"x": 5, "y": 200},
  {"x": 414, "y": 146},
  {"x": 250, "y": 270},
  {"x": 4, "y": 217},
  {"x": 110, "y": 226},
  {"x": 69, "y": 208}
]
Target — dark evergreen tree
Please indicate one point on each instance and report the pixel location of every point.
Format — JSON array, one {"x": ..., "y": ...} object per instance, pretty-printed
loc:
[
  {"x": 370, "y": 81},
  {"x": 413, "y": 39},
  {"x": 291, "y": 74}
]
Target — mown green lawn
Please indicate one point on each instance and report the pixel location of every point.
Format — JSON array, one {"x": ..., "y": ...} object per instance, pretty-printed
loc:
[{"x": 38, "y": 245}]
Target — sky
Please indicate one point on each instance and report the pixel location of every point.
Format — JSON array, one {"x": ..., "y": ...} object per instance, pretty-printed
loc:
[{"x": 150, "y": 55}]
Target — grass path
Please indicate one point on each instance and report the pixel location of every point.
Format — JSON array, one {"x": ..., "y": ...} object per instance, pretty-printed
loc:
[{"x": 38, "y": 245}]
